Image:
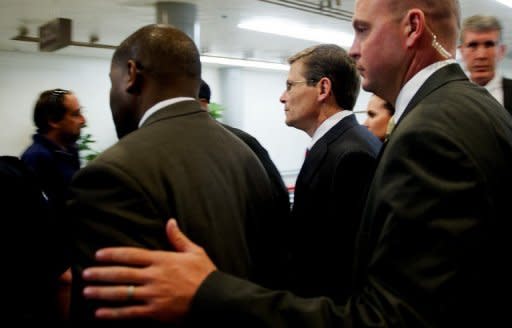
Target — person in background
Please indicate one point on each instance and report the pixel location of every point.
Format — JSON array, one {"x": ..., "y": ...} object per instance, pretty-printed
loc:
[
  {"x": 433, "y": 242},
  {"x": 157, "y": 170},
  {"x": 379, "y": 113},
  {"x": 331, "y": 188},
  {"x": 35, "y": 248},
  {"x": 204, "y": 96},
  {"x": 262, "y": 154},
  {"x": 53, "y": 156},
  {"x": 482, "y": 49}
]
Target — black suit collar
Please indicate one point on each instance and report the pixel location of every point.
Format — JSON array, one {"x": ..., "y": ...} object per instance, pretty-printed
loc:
[
  {"x": 441, "y": 77},
  {"x": 319, "y": 149},
  {"x": 338, "y": 129},
  {"x": 507, "y": 94},
  {"x": 446, "y": 74}
]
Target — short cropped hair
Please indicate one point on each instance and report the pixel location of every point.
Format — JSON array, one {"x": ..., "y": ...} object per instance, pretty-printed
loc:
[
  {"x": 204, "y": 91},
  {"x": 162, "y": 51},
  {"x": 481, "y": 23}
]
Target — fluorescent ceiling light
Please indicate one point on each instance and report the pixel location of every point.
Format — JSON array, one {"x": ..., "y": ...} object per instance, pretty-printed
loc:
[
  {"x": 298, "y": 31},
  {"x": 243, "y": 63},
  {"x": 506, "y": 2}
]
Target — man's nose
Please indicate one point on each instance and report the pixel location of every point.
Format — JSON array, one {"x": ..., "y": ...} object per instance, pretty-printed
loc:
[
  {"x": 481, "y": 51},
  {"x": 354, "y": 50},
  {"x": 282, "y": 98}
]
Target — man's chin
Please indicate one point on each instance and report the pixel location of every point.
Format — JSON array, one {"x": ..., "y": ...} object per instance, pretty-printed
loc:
[
  {"x": 288, "y": 122},
  {"x": 481, "y": 78},
  {"x": 73, "y": 139},
  {"x": 365, "y": 85}
]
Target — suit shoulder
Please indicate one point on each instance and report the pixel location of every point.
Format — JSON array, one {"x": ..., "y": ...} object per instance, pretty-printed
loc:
[
  {"x": 358, "y": 139},
  {"x": 246, "y": 137}
]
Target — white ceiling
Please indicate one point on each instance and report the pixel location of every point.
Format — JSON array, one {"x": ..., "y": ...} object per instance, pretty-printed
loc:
[{"x": 113, "y": 20}]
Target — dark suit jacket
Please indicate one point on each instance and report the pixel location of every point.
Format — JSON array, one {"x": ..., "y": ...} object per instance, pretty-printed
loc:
[
  {"x": 126, "y": 195},
  {"x": 269, "y": 166},
  {"x": 330, "y": 193},
  {"x": 272, "y": 278},
  {"x": 54, "y": 167},
  {"x": 433, "y": 247},
  {"x": 34, "y": 248},
  {"x": 507, "y": 94}
]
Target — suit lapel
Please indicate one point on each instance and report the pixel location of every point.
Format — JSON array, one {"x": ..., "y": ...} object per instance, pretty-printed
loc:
[
  {"x": 447, "y": 74},
  {"x": 507, "y": 94}
]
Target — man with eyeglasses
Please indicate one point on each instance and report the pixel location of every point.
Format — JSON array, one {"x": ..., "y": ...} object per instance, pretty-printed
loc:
[
  {"x": 482, "y": 50},
  {"x": 330, "y": 191}
]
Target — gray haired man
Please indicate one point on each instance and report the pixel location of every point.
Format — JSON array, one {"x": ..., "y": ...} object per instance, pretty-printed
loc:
[{"x": 482, "y": 49}]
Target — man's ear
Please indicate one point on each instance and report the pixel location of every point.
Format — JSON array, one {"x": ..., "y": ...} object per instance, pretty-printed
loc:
[
  {"x": 325, "y": 86},
  {"x": 502, "y": 51},
  {"x": 414, "y": 26},
  {"x": 54, "y": 124},
  {"x": 135, "y": 77}
]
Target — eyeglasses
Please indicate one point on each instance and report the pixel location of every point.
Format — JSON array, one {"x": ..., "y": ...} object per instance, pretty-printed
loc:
[
  {"x": 290, "y": 84},
  {"x": 77, "y": 113},
  {"x": 486, "y": 44}
]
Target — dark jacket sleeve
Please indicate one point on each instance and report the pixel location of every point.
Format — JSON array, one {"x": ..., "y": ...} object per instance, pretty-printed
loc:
[{"x": 231, "y": 302}]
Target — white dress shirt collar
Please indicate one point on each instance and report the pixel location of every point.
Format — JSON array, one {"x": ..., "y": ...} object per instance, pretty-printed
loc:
[
  {"x": 414, "y": 84},
  {"x": 327, "y": 125},
  {"x": 495, "y": 87},
  {"x": 164, "y": 103}
]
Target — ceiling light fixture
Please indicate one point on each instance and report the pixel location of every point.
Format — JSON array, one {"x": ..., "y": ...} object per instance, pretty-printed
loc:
[
  {"x": 243, "y": 63},
  {"x": 298, "y": 31},
  {"x": 207, "y": 59},
  {"x": 322, "y": 7},
  {"x": 506, "y": 2}
]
